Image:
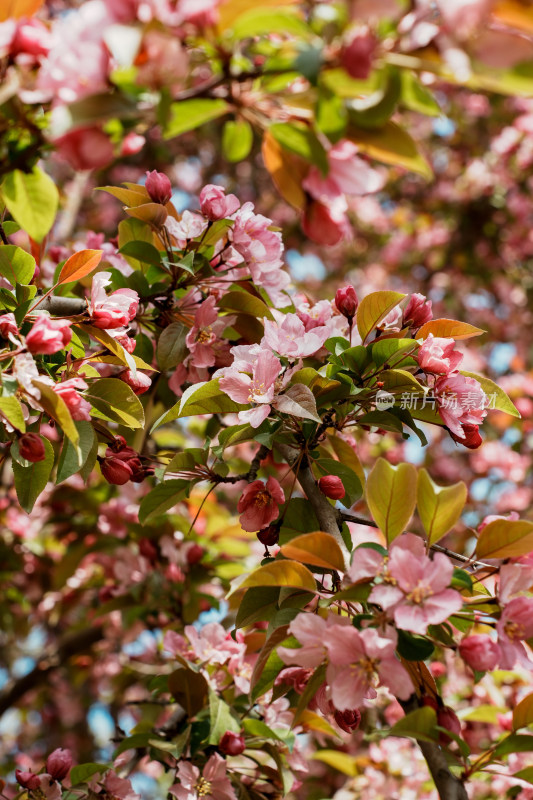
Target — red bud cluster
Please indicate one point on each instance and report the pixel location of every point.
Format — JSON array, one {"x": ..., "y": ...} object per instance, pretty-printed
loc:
[{"x": 122, "y": 464}]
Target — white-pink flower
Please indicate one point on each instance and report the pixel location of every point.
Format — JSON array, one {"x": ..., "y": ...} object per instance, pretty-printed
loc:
[
  {"x": 213, "y": 644},
  {"x": 358, "y": 662},
  {"x": 515, "y": 625},
  {"x": 259, "y": 388},
  {"x": 69, "y": 392},
  {"x": 461, "y": 401},
  {"x": 190, "y": 226},
  {"x": 310, "y": 630},
  {"x": 114, "y": 310},
  {"x": 286, "y": 335},
  {"x": 415, "y": 592},
  {"x": 348, "y": 174},
  {"x": 437, "y": 355},
  {"x": 212, "y": 783},
  {"x": 204, "y": 334},
  {"x": 216, "y": 204}
]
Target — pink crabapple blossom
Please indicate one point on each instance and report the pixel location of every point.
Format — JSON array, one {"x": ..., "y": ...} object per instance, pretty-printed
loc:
[
  {"x": 111, "y": 311},
  {"x": 48, "y": 336},
  {"x": 438, "y": 356},
  {"x": 211, "y": 783},
  {"x": 259, "y": 503}
]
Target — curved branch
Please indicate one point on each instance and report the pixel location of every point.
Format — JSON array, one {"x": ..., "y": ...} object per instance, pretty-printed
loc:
[
  {"x": 70, "y": 645},
  {"x": 63, "y": 306}
]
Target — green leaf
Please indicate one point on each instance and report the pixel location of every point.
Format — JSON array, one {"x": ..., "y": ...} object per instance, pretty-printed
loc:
[
  {"x": 220, "y": 718},
  {"x": 31, "y": 479},
  {"x": 256, "y": 727},
  {"x": 342, "y": 762},
  {"x": 373, "y": 309},
  {"x": 201, "y": 398},
  {"x": 391, "y": 496},
  {"x": 300, "y": 139},
  {"x": 439, "y": 507},
  {"x": 514, "y": 743},
  {"x": 142, "y": 251},
  {"x": 414, "y": 647},
  {"x": 114, "y": 400},
  {"x": 499, "y": 400},
  {"x": 164, "y": 496},
  {"x": 258, "y": 603},
  {"x": 55, "y": 407},
  {"x": 82, "y": 772},
  {"x": 318, "y": 549},
  {"x": 187, "y": 115},
  {"x": 391, "y": 145},
  {"x": 189, "y": 689},
  {"x": 393, "y": 351},
  {"x": 416, "y": 97},
  {"x": 350, "y": 481},
  {"x": 268, "y": 664},
  {"x": 523, "y": 713},
  {"x": 245, "y": 303},
  {"x": 419, "y": 724},
  {"x": 72, "y": 459},
  {"x": 373, "y": 111},
  {"x": 505, "y": 538},
  {"x": 237, "y": 140},
  {"x": 11, "y": 410},
  {"x": 262, "y": 20},
  {"x": 16, "y": 264},
  {"x": 31, "y": 199},
  {"x": 171, "y": 347}
]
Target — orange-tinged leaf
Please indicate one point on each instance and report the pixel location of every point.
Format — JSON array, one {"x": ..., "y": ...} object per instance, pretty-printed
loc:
[
  {"x": 505, "y": 538},
  {"x": 342, "y": 762},
  {"x": 391, "y": 145},
  {"x": 373, "y": 308},
  {"x": 79, "y": 265},
  {"x": 523, "y": 713},
  {"x": 15, "y": 9},
  {"x": 153, "y": 213},
  {"x": 233, "y": 9},
  {"x": 286, "y": 170},
  {"x": 281, "y": 573},
  {"x": 514, "y": 14},
  {"x": 314, "y": 722},
  {"x": 130, "y": 197},
  {"x": 448, "y": 329},
  {"x": 391, "y": 496},
  {"x": 318, "y": 549}
]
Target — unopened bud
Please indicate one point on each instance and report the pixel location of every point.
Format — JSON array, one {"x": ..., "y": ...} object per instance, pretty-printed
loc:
[
  {"x": 31, "y": 447},
  {"x": 269, "y": 536},
  {"x": 332, "y": 486},
  {"x": 346, "y": 301},
  {"x": 116, "y": 471},
  {"x": 58, "y": 764},
  {"x": 158, "y": 187},
  {"x": 349, "y": 720},
  {"x": 232, "y": 744}
]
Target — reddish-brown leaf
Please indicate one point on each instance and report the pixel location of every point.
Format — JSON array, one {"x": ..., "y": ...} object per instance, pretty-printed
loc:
[{"x": 79, "y": 265}]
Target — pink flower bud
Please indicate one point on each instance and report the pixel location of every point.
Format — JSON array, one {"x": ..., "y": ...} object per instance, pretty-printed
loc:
[
  {"x": 8, "y": 325},
  {"x": 480, "y": 652},
  {"x": 140, "y": 383},
  {"x": 195, "y": 553},
  {"x": 346, "y": 301},
  {"x": 215, "y": 204},
  {"x": 332, "y": 486},
  {"x": 348, "y": 721},
  {"x": 58, "y": 764},
  {"x": 417, "y": 311},
  {"x": 358, "y": 52},
  {"x": 472, "y": 438},
  {"x": 447, "y": 718},
  {"x": 31, "y": 447},
  {"x": 132, "y": 144},
  {"x": 232, "y": 744},
  {"x": 48, "y": 335},
  {"x": 158, "y": 187},
  {"x": 27, "y": 779},
  {"x": 116, "y": 471}
]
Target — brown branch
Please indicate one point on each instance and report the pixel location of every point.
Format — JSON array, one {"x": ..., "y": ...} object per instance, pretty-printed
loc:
[
  {"x": 436, "y": 547},
  {"x": 69, "y": 646},
  {"x": 63, "y": 306}
]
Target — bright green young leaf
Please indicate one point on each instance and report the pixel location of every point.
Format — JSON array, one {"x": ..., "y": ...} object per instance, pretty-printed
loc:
[
  {"x": 416, "y": 97},
  {"x": 244, "y": 303},
  {"x": 55, "y": 407},
  {"x": 142, "y": 251},
  {"x": 418, "y": 724},
  {"x": 16, "y": 264},
  {"x": 261, "y": 20},
  {"x": 82, "y": 772},
  {"x": 514, "y": 743},
  {"x": 201, "y": 398},
  {"x": 114, "y": 400},
  {"x": 373, "y": 308},
  {"x": 301, "y": 140},
  {"x": 439, "y": 507},
  {"x": 31, "y": 199},
  {"x": 504, "y": 538},
  {"x": 268, "y": 664},
  {"x": 190, "y": 114},
  {"x": 31, "y": 478},
  {"x": 498, "y": 399},
  {"x": 11, "y": 410},
  {"x": 220, "y": 718},
  {"x": 237, "y": 139},
  {"x": 391, "y": 496}
]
